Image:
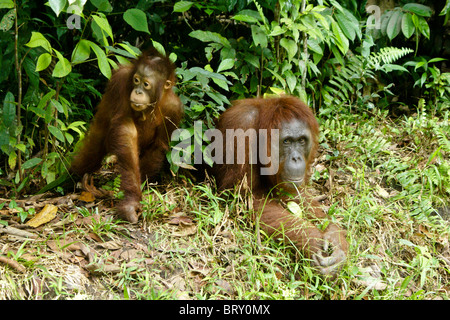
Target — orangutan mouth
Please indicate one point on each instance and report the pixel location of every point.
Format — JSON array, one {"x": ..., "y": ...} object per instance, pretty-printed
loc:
[{"x": 140, "y": 106}]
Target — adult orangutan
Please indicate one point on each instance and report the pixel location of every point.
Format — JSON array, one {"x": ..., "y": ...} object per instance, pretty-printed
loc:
[
  {"x": 134, "y": 121},
  {"x": 289, "y": 152}
]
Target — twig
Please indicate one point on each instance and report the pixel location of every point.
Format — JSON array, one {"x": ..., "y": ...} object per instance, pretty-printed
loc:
[
  {"x": 305, "y": 51},
  {"x": 13, "y": 264},
  {"x": 17, "y": 232},
  {"x": 19, "y": 83}
]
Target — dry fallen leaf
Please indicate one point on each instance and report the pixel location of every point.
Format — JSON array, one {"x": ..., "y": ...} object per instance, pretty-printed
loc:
[
  {"x": 111, "y": 245},
  {"x": 69, "y": 244},
  {"x": 86, "y": 196},
  {"x": 130, "y": 254},
  {"x": 224, "y": 286},
  {"x": 185, "y": 230},
  {"x": 381, "y": 192},
  {"x": 371, "y": 283},
  {"x": 176, "y": 220},
  {"x": 45, "y": 215}
]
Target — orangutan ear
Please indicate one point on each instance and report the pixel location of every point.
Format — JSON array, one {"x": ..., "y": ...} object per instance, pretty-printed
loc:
[{"x": 168, "y": 84}]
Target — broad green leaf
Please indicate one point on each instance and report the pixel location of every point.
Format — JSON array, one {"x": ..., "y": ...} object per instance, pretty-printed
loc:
[
  {"x": 12, "y": 159},
  {"x": 182, "y": 6},
  {"x": 394, "y": 24},
  {"x": 21, "y": 147},
  {"x": 245, "y": 18},
  {"x": 31, "y": 163},
  {"x": 276, "y": 31},
  {"x": 407, "y": 25},
  {"x": 419, "y": 9},
  {"x": 249, "y": 16},
  {"x": 259, "y": 36},
  {"x": 251, "y": 59},
  {"x": 56, "y": 133},
  {"x": 336, "y": 5},
  {"x": 7, "y": 21},
  {"x": 74, "y": 126},
  {"x": 354, "y": 22},
  {"x": 103, "y": 64},
  {"x": 277, "y": 91},
  {"x": 136, "y": 19},
  {"x": 122, "y": 60},
  {"x": 291, "y": 80},
  {"x": 9, "y": 109},
  {"x": 279, "y": 78},
  {"x": 220, "y": 83},
  {"x": 423, "y": 27},
  {"x": 384, "y": 21},
  {"x": 436, "y": 60},
  {"x": 121, "y": 52},
  {"x": 208, "y": 74},
  {"x": 68, "y": 137},
  {"x": 321, "y": 19},
  {"x": 173, "y": 57},
  {"x": 112, "y": 63},
  {"x": 346, "y": 26},
  {"x": 131, "y": 49},
  {"x": 390, "y": 67},
  {"x": 62, "y": 67},
  {"x": 225, "y": 65},
  {"x": 39, "y": 110},
  {"x": 102, "y": 5},
  {"x": 57, "y": 105},
  {"x": 341, "y": 39},
  {"x": 29, "y": 66},
  {"x": 43, "y": 61},
  {"x": 421, "y": 64},
  {"x": 38, "y": 40},
  {"x": 81, "y": 52},
  {"x": 103, "y": 24},
  {"x": 290, "y": 46},
  {"x": 314, "y": 46},
  {"x": 6, "y": 4},
  {"x": 57, "y": 5},
  {"x": 159, "y": 47},
  {"x": 208, "y": 36}
]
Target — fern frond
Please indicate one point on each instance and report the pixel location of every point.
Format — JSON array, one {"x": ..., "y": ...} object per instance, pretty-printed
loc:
[
  {"x": 442, "y": 138},
  {"x": 346, "y": 85},
  {"x": 261, "y": 13},
  {"x": 387, "y": 55}
]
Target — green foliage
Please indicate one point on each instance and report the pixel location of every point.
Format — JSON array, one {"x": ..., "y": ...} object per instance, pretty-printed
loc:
[
  {"x": 54, "y": 75},
  {"x": 408, "y": 20},
  {"x": 38, "y": 140},
  {"x": 435, "y": 85},
  {"x": 352, "y": 84}
]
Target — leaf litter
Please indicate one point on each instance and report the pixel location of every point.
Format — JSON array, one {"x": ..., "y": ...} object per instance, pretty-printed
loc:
[
  {"x": 172, "y": 255},
  {"x": 91, "y": 253}
]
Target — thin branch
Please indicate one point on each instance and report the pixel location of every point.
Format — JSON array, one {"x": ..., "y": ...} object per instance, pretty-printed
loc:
[
  {"x": 19, "y": 93},
  {"x": 305, "y": 51}
]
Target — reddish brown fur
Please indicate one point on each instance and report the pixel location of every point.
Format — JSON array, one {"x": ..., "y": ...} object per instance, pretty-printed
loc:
[
  {"x": 275, "y": 219},
  {"x": 140, "y": 145}
]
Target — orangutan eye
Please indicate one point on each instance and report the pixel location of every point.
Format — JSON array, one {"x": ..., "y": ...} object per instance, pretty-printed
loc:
[
  {"x": 302, "y": 141},
  {"x": 136, "y": 80},
  {"x": 147, "y": 85}
]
